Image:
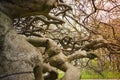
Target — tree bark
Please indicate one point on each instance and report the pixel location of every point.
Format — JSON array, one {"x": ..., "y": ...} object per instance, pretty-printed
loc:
[
  {"x": 57, "y": 58},
  {"x": 23, "y": 8},
  {"x": 17, "y": 57},
  {"x": 19, "y": 60}
]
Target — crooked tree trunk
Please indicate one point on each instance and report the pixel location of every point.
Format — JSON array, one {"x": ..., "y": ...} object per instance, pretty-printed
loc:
[
  {"x": 57, "y": 58},
  {"x": 17, "y": 57},
  {"x": 23, "y": 8}
]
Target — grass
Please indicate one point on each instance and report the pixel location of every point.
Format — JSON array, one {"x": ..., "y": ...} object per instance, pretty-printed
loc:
[
  {"x": 92, "y": 75},
  {"x": 106, "y": 75},
  {"x": 61, "y": 74}
]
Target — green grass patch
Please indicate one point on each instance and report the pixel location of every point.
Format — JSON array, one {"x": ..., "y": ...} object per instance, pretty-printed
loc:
[
  {"x": 106, "y": 75},
  {"x": 90, "y": 74},
  {"x": 61, "y": 74}
]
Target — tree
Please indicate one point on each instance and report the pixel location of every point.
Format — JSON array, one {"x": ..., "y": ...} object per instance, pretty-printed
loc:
[
  {"x": 19, "y": 59},
  {"x": 62, "y": 35}
]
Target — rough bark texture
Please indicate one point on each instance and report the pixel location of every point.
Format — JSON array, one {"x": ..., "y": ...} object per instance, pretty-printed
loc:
[
  {"x": 57, "y": 58},
  {"x": 23, "y": 8},
  {"x": 17, "y": 56}
]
